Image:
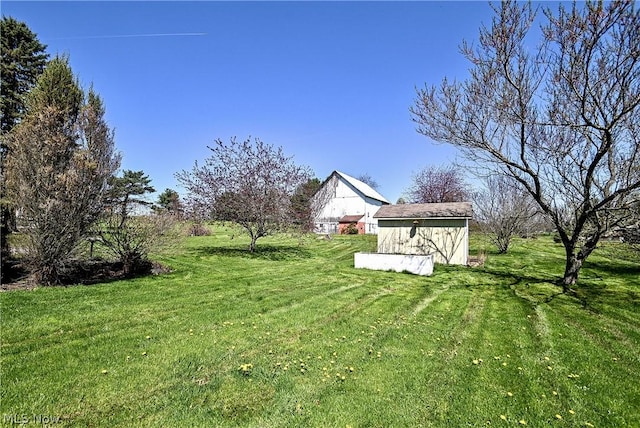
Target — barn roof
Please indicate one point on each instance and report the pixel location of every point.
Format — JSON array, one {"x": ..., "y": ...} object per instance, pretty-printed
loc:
[
  {"x": 425, "y": 211},
  {"x": 362, "y": 187}
]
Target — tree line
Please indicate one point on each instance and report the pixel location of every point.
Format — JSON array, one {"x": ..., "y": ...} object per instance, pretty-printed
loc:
[{"x": 552, "y": 130}]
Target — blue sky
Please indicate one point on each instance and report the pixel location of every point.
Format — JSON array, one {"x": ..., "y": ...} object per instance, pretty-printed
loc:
[{"x": 330, "y": 82}]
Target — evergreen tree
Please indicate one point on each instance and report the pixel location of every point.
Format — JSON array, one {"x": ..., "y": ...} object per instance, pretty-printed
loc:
[
  {"x": 60, "y": 158},
  {"x": 23, "y": 59}
]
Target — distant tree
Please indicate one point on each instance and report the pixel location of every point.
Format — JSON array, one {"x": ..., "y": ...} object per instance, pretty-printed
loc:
[
  {"x": 401, "y": 201},
  {"x": 22, "y": 60},
  {"x": 435, "y": 184},
  {"x": 302, "y": 213},
  {"x": 128, "y": 193},
  {"x": 248, "y": 183},
  {"x": 59, "y": 161},
  {"x": 561, "y": 118},
  {"x": 369, "y": 180},
  {"x": 503, "y": 210},
  {"x": 129, "y": 231},
  {"x": 169, "y": 202}
]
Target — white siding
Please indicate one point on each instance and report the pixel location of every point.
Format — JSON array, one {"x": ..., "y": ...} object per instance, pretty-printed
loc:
[
  {"x": 446, "y": 239},
  {"x": 338, "y": 198}
]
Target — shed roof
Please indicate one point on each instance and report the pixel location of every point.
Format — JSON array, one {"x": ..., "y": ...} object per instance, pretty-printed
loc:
[
  {"x": 351, "y": 218},
  {"x": 425, "y": 211}
]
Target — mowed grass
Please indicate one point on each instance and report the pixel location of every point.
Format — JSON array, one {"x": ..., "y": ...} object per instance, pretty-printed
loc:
[{"x": 293, "y": 335}]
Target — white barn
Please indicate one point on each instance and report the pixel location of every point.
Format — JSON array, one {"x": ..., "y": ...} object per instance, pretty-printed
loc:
[{"x": 341, "y": 195}]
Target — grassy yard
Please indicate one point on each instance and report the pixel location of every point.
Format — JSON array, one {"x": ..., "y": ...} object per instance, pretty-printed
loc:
[{"x": 293, "y": 335}]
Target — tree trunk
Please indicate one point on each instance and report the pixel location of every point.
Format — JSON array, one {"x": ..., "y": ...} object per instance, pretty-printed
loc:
[
  {"x": 571, "y": 270},
  {"x": 252, "y": 245}
]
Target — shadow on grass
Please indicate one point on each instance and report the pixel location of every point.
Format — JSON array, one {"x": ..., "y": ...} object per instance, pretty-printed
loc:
[
  {"x": 591, "y": 290},
  {"x": 263, "y": 252}
]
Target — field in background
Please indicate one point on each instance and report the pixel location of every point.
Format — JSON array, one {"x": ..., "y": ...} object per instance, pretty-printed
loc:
[{"x": 293, "y": 335}]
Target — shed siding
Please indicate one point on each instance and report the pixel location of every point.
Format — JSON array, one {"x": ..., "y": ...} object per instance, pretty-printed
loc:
[{"x": 446, "y": 239}]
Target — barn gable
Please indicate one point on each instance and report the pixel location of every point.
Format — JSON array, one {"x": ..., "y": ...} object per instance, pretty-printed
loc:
[{"x": 342, "y": 195}]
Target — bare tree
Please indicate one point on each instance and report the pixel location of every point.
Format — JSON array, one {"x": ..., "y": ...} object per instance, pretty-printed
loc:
[
  {"x": 249, "y": 183},
  {"x": 434, "y": 184},
  {"x": 61, "y": 156},
  {"x": 369, "y": 180},
  {"x": 563, "y": 119},
  {"x": 503, "y": 209}
]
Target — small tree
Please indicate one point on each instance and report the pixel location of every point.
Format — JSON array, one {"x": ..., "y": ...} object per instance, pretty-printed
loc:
[
  {"x": 60, "y": 158},
  {"x": 248, "y": 183},
  {"x": 127, "y": 231},
  {"x": 169, "y": 202},
  {"x": 503, "y": 210},
  {"x": 435, "y": 184},
  {"x": 560, "y": 117}
]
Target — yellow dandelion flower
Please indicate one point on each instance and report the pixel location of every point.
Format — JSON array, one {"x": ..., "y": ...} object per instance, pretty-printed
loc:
[
  {"x": 572, "y": 412},
  {"x": 510, "y": 394},
  {"x": 558, "y": 416},
  {"x": 522, "y": 422},
  {"x": 503, "y": 417}
]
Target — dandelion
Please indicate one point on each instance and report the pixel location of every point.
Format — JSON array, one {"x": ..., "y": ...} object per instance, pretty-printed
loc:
[
  {"x": 503, "y": 417},
  {"x": 104, "y": 371},
  {"x": 144, "y": 354},
  {"x": 475, "y": 362},
  {"x": 245, "y": 369},
  {"x": 510, "y": 394},
  {"x": 522, "y": 422},
  {"x": 148, "y": 337},
  {"x": 549, "y": 368},
  {"x": 559, "y": 417},
  {"x": 554, "y": 392},
  {"x": 572, "y": 412}
]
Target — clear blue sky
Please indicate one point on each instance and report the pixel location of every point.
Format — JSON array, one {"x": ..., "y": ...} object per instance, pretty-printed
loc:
[{"x": 330, "y": 82}]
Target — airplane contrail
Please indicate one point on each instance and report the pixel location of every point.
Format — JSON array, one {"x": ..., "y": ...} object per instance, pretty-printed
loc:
[{"x": 123, "y": 36}]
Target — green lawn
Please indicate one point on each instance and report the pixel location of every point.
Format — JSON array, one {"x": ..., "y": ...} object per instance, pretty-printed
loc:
[{"x": 295, "y": 336}]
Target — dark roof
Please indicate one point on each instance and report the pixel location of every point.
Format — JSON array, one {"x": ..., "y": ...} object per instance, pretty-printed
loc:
[
  {"x": 424, "y": 211},
  {"x": 351, "y": 218}
]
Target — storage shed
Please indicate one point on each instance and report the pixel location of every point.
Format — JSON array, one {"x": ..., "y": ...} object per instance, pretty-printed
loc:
[
  {"x": 349, "y": 222},
  {"x": 441, "y": 229}
]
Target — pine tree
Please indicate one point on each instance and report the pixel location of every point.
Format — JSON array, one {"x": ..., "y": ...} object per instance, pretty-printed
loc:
[
  {"x": 61, "y": 156},
  {"x": 23, "y": 59}
]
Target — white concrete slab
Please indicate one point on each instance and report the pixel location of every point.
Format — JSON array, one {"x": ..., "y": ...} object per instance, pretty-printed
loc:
[{"x": 416, "y": 264}]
